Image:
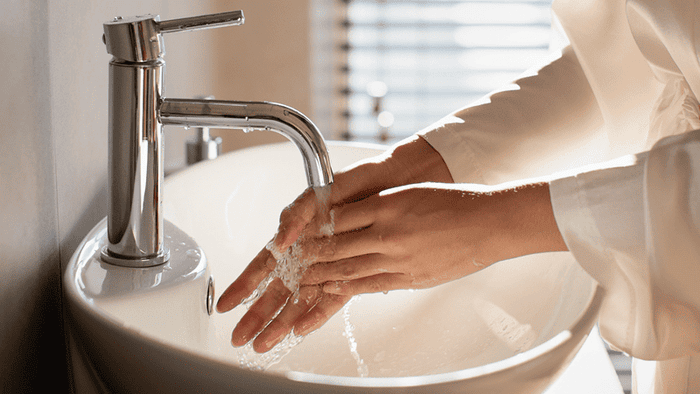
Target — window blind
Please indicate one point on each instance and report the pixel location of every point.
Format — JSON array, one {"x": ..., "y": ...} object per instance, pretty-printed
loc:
[{"x": 411, "y": 62}]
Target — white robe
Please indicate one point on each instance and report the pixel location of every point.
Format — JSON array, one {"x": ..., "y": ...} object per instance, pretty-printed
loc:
[{"x": 615, "y": 107}]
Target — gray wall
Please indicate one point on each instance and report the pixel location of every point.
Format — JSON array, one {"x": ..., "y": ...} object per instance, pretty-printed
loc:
[{"x": 53, "y": 107}]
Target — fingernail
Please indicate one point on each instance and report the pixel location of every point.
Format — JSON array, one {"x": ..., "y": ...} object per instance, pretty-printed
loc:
[
  {"x": 243, "y": 333},
  {"x": 267, "y": 344},
  {"x": 279, "y": 237},
  {"x": 303, "y": 329},
  {"x": 332, "y": 287},
  {"x": 238, "y": 340},
  {"x": 220, "y": 304}
]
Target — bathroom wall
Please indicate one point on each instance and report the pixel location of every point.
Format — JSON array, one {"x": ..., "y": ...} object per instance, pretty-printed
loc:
[
  {"x": 266, "y": 59},
  {"x": 277, "y": 55},
  {"x": 53, "y": 164},
  {"x": 53, "y": 108}
]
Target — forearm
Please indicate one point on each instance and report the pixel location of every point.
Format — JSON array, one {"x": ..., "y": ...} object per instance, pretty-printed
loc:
[
  {"x": 410, "y": 161},
  {"x": 420, "y": 161},
  {"x": 520, "y": 219},
  {"x": 532, "y": 220}
]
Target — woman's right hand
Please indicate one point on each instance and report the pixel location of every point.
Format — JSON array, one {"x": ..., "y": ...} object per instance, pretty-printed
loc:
[{"x": 411, "y": 161}]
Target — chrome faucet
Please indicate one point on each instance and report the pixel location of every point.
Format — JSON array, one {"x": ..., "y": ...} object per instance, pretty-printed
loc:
[{"x": 137, "y": 113}]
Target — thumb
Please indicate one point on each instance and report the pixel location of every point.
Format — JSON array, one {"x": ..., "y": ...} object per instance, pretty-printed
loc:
[{"x": 295, "y": 218}]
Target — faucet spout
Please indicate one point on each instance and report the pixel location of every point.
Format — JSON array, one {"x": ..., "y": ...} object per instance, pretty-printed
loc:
[{"x": 256, "y": 116}]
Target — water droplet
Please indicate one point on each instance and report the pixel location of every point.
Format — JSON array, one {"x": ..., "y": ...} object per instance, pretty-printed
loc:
[
  {"x": 193, "y": 253},
  {"x": 187, "y": 127}
]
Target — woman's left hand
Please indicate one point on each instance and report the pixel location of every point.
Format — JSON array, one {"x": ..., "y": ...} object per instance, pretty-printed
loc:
[{"x": 423, "y": 235}]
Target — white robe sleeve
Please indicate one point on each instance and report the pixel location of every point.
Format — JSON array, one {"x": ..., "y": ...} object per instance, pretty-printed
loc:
[
  {"x": 545, "y": 122},
  {"x": 635, "y": 227}
]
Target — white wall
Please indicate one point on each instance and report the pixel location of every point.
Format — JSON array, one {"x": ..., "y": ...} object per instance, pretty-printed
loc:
[
  {"x": 53, "y": 108},
  {"x": 266, "y": 59}
]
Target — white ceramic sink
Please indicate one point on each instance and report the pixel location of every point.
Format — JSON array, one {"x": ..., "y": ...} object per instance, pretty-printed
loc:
[{"x": 510, "y": 328}]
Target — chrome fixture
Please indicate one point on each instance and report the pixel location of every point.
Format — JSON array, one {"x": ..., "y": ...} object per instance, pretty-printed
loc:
[
  {"x": 211, "y": 297},
  {"x": 137, "y": 113},
  {"x": 203, "y": 147}
]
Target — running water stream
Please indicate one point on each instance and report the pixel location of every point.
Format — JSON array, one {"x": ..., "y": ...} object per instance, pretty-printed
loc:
[{"x": 290, "y": 267}]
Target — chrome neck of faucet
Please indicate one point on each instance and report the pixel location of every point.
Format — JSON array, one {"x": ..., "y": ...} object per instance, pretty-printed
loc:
[
  {"x": 250, "y": 116},
  {"x": 137, "y": 113}
]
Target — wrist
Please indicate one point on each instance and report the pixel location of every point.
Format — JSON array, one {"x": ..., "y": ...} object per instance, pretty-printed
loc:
[
  {"x": 533, "y": 227},
  {"x": 417, "y": 161}
]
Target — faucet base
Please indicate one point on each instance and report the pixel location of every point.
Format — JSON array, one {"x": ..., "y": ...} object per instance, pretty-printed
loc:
[{"x": 134, "y": 262}]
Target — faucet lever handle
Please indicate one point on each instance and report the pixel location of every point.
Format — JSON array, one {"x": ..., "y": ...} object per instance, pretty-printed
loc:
[
  {"x": 230, "y": 18},
  {"x": 138, "y": 39}
]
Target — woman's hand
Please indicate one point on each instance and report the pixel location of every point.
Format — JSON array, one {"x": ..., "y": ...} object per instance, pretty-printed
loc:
[
  {"x": 420, "y": 236},
  {"x": 411, "y": 161}
]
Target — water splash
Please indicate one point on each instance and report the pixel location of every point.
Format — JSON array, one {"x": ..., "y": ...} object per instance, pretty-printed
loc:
[
  {"x": 517, "y": 336},
  {"x": 262, "y": 286},
  {"x": 362, "y": 369},
  {"x": 249, "y": 358},
  {"x": 290, "y": 266},
  {"x": 292, "y": 263}
]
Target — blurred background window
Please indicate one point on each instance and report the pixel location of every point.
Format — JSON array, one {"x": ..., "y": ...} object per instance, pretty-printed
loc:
[{"x": 408, "y": 63}]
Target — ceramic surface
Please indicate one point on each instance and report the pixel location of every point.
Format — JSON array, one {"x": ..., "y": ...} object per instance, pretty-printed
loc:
[{"x": 510, "y": 328}]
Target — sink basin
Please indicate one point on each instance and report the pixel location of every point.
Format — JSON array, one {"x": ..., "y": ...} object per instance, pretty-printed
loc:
[{"x": 513, "y": 327}]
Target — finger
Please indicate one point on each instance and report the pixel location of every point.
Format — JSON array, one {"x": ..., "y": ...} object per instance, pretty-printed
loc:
[
  {"x": 351, "y": 244},
  {"x": 355, "y": 215},
  {"x": 369, "y": 284},
  {"x": 347, "y": 269},
  {"x": 294, "y": 218},
  {"x": 326, "y": 307},
  {"x": 260, "y": 314},
  {"x": 297, "y": 305},
  {"x": 258, "y": 269}
]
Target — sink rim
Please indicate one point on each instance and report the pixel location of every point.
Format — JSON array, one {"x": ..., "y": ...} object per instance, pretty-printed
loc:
[{"x": 576, "y": 333}]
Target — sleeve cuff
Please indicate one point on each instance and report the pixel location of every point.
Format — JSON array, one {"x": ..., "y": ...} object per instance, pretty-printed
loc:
[
  {"x": 600, "y": 214},
  {"x": 455, "y": 151}
]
